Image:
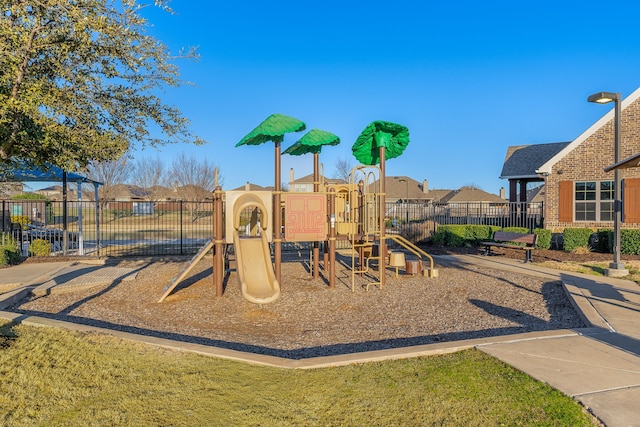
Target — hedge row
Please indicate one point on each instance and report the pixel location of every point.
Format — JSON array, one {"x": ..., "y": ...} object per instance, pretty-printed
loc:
[
  {"x": 601, "y": 240},
  {"x": 573, "y": 238},
  {"x": 472, "y": 235}
]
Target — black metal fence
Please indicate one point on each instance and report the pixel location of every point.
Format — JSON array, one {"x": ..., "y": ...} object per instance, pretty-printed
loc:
[
  {"x": 142, "y": 228},
  {"x": 108, "y": 228}
]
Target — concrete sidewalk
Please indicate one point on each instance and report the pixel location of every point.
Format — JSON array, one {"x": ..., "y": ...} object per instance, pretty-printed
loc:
[
  {"x": 18, "y": 280},
  {"x": 598, "y": 365}
]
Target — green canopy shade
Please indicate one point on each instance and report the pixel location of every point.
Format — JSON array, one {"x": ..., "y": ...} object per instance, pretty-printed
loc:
[
  {"x": 392, "y": 136},
  {"x": 312, "y": 142},
  {"x": 273, "y": 129}
]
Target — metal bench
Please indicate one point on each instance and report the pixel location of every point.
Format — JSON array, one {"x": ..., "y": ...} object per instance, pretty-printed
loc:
[{"x": 506, "y": 239}]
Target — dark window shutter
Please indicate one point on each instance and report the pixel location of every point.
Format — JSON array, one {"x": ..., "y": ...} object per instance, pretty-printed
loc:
[
  {"x": 566, "y": 201},
  {"x": 631, "y": 200}
]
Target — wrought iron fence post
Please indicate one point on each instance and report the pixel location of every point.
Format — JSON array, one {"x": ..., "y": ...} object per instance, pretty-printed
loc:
[{"x": 181, "y": 207}]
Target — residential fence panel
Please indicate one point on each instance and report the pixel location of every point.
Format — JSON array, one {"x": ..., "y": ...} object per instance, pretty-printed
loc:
[
  {"x": 147, "y": 228},
  {"x": 109, "y": 228},
  {"x": 418, "y": 221}
]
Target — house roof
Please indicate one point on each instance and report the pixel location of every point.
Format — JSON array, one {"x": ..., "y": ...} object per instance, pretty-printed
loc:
[
  {"x": 472, "y": 194},
  {"x": 437, "y": 195},
  {"x": 523, "y": 161},
  {"x": 546, "y": 167},
  {"x": 629, "y": 162},
  {"x": 49, "y": 188},
  {"x": 127, "y": 191},
  {"x": 253, "y": 187},
  {"x": 309, "y": 179},
  {"x": 402, "y": 187},
  {"x": 536, "y": 194}
]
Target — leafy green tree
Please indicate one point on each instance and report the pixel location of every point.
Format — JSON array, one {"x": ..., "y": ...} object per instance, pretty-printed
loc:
[{"x": 79, "y": 82}]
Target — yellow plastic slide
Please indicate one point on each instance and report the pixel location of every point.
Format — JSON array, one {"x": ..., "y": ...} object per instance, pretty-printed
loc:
[{"x": 255, "y": 271}]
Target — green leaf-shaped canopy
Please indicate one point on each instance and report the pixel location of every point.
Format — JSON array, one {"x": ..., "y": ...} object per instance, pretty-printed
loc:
[
  {"x": 312, "y": 142},
  {"x": 392, "y": 136},
  {"x": 273, "y": 129}
]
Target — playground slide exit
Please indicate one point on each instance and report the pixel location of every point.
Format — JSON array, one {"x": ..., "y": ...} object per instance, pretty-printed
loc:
[{"x": 255, "y": 271}]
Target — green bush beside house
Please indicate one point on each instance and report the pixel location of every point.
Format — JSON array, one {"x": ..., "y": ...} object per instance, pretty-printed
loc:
[{"x": 472, "y": 235}]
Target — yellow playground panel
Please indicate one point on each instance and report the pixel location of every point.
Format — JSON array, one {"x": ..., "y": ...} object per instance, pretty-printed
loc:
[{"x": 251, "y": 208}]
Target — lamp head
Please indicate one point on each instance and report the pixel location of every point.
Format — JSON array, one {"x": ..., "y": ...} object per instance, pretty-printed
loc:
[{"x": 604, "y": 97}]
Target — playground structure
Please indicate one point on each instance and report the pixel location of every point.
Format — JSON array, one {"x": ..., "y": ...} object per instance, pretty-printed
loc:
[
  {"x": 348, "y": 212},
  {"x": 353, "y": 212}
]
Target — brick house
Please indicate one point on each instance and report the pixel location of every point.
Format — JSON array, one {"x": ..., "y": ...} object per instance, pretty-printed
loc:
[{"x": 577, "y": 190}]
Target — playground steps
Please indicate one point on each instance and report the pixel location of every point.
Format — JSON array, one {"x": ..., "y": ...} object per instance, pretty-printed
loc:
[{"x": 231, "y": 262}]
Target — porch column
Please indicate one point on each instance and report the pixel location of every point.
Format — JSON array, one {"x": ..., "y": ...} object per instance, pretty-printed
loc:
[
  {"x": 513, "y": 199},
  {"x": 523, "y": 203},
  {"x": 513, "y": 190}
]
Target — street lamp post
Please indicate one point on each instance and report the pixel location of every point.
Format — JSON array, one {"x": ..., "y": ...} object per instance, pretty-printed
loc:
[{"x": 616, "y": 268}]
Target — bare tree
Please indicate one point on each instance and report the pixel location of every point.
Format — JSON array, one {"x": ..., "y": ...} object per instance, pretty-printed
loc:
[
  {"x": 343, "y": 169},
  {"x": 150, "y": 174},
  {"x": 110, "y": 173},
  {"x": 194, "y": 180}
]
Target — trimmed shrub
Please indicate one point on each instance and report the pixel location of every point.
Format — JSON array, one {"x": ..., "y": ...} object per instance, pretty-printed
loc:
[
  {"x": 477, "y": 233},
  {"x": 450, "y": 235},
  {"x": 543, "y": 241},
  {"x": 521, "y": 230},
  {"x": 40, "y": 247},
  {"x": 576, "y": 238},
  {"x": 463, "y": 235},
  {"x": 629, "y": 241},
  {"x": 9, "y": 255}
]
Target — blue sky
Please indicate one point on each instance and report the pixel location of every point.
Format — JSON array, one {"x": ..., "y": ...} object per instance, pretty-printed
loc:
[{"x": 468, "y": 78}]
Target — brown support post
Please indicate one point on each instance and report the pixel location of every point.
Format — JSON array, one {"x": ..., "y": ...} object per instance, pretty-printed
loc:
[
  {"x": 316, "y": 189},
  {"x": 513, "y": 190},
  {"x": 523, "y": 203},
  {"x": 513, "y": 205},
  {"x": 523, "y": 190},
  {"x": 360, "y": 221},
  {"x": 218, "y": 261},
  {"x": 382, "y": 247},
  {"x": 332, "y": 239},
  {"x": 277, "y": 218}
]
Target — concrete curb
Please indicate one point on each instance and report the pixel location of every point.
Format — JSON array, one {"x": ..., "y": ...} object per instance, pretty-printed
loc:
[{"x": 308, "y": 363}]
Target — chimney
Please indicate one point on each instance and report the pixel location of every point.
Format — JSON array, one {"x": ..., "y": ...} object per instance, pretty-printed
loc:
[
  {"x": 175, "y": 186},
  {"x": 291, "y": 176},
  {"x": 502, "y": 193},
  {"x": 425, "y": 186},
  {"x": 247, "y": 186}
]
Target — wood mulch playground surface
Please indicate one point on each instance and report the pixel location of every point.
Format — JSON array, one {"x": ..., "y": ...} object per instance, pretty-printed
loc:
[{"x": 310, "y": 319}]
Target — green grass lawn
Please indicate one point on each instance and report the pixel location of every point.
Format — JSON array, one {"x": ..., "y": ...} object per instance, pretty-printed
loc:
[{"x": 53, "y": 377}]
